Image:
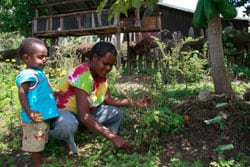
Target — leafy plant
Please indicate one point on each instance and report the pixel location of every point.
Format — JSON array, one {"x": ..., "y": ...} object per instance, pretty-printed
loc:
[
  {"x": 175, "y": 162},
  {"x": 187, "y": 67},
  {"x": 241, "y": 72},
  {"x": 161, "y": 121}
]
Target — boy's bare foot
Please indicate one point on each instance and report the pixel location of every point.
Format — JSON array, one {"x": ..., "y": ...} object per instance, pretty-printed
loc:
[{"x": 46, "y": 160}]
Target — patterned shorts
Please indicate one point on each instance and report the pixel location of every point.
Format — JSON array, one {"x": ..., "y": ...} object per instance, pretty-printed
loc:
[{"x": 35, "y": 136}]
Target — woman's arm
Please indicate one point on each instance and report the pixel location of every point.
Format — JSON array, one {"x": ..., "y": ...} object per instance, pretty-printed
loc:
[
  {"x": 116, "y": 101},
  {"x": 82, "y": 101},
  {"x": 141, "y": 102}
]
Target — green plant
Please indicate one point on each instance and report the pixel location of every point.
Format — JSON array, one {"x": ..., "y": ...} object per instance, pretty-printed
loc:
[
  {"x": 10, "y": 40},
  {"x": 241, "y": 72},
  {"x": 9, "y": 112},
  {"x": 192, "y": 66},
  {"x": 187, "y": 67},
  {"x": 160, "y": 121},
  {"x": 240, "y": 161},
  {"x": 175, "y": 162}
]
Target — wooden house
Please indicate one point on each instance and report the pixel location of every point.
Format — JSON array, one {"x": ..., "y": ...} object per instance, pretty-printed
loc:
[
  {"x": 80, "y": 18},
  {"x": 179, "y": 19}
]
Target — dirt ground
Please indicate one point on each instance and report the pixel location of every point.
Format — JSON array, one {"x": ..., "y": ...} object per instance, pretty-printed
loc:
[{"x": 197, "y": 140}]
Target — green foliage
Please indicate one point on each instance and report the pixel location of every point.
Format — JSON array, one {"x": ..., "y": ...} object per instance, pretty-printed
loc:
[
  {"x": 63, "y": 61},
  {"x": 187, "y": 67},
  {"x": 9, "y": 107},
  {"x": 113, "y": 76},
  {"x": 160, "y": 121},
  {"x": 241, "y": 72},
  {"x": 241, "y": 160},
  {"x": 229, "y": 48},
  {"x": 158, "y": 79},
  {"x": 192, "y": 66},
  {"x": 17, "y": 16},
  {"x": 175, "y": 162},
  {"x": 10, "y": 40},
  {"x": 122, "y": 6},
  {"x": 234, "y": 51}
]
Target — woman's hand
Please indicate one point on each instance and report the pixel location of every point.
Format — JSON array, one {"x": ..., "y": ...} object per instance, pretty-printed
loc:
[
  {"x": 120, "y": 142},
  {"x": 142, "y": 102}
]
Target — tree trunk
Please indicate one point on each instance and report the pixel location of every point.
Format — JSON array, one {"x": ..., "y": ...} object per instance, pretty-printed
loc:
[{"x": 219, "y": 74}]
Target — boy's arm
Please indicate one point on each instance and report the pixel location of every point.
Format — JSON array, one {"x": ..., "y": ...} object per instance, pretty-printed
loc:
[{"x": 22, "y": 93}]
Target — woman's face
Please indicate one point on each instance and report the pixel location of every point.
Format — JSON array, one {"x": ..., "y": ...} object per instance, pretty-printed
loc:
[{"x": 103, "y": 65}]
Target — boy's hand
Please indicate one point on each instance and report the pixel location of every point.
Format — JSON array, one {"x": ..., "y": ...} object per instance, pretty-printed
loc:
[{"x": 36, "y": 117}]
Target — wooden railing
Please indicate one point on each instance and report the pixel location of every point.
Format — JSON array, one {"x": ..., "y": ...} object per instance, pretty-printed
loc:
[{"x": 89, "y": 23}]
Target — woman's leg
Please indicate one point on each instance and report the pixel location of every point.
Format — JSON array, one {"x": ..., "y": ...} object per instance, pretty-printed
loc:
[
  {"x": 109, "y": 116},
  {"x": 64, "y": 128}
]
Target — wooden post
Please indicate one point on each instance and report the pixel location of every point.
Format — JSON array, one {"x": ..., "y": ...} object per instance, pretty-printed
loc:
[
  {"x": 93, "y": 19},
  {"x": 137, "y": 18},
  {"x": 118, "y": 46},
  {"x": 52, "y": 50},
  {"x": 36, "y": 12},
  {"x": 99, "y": 19},
  {"x": 128, "y": 52},
  {"x": 34, "y": 29}
]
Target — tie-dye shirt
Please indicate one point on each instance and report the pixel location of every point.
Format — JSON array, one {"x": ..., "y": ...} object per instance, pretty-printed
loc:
[{"x": 81, "y": 78}]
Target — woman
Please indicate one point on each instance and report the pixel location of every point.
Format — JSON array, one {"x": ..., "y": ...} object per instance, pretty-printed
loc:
[{"x": 87, "y": 99}]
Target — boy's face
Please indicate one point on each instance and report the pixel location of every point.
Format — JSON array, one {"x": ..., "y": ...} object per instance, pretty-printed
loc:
[{"x": 38, "y": 59}]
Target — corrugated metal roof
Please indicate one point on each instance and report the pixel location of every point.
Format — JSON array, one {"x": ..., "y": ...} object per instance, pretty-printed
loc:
[
  {"x": 191, "y": 10},
  {"x": 176, "y": 7}
]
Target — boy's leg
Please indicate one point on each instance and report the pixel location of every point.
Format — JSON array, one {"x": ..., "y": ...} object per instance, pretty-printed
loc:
[
  {"x": 109, "y": 116},
  {"x": 34, "y": 139},
  {"x": 64, "y": 128},
  {"x": 36, "y": 159}
]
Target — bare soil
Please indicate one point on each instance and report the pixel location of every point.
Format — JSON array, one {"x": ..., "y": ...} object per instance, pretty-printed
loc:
[{"x": 197, "y": 140}]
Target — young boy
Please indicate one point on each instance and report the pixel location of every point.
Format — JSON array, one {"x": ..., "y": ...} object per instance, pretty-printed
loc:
[{"x": 36, "y": 98}]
